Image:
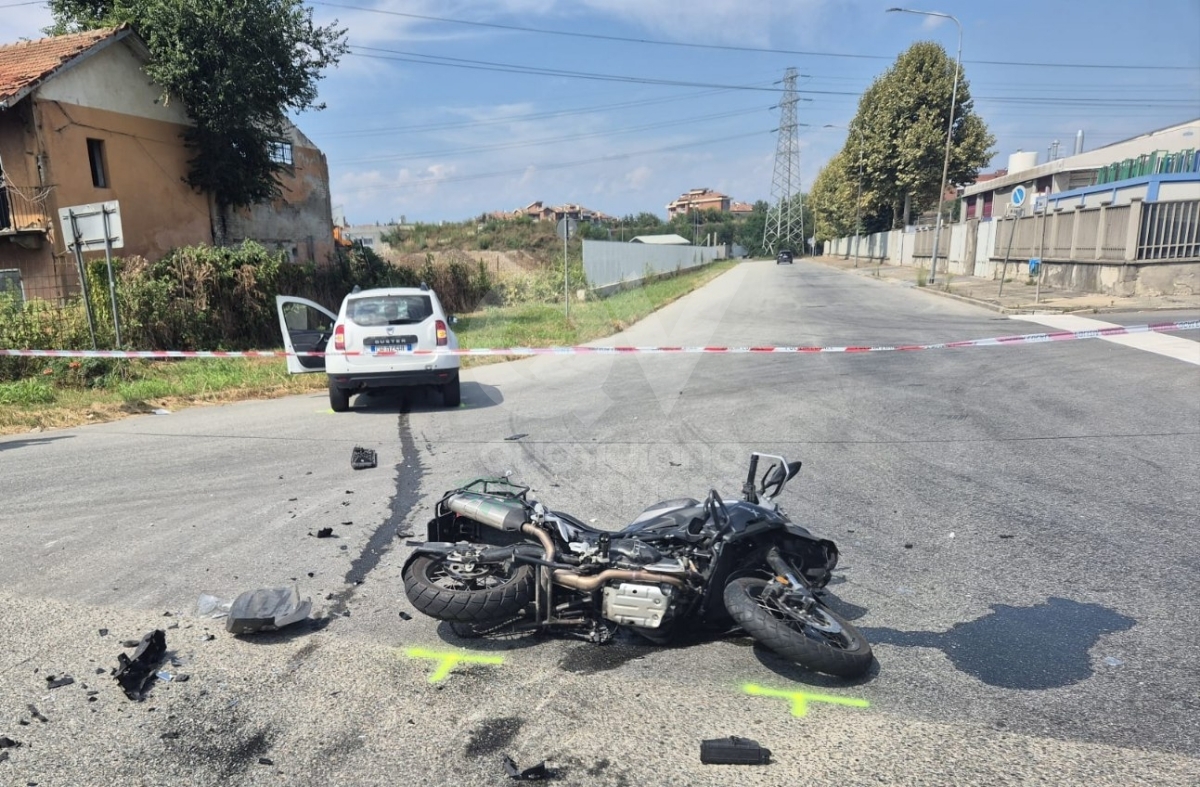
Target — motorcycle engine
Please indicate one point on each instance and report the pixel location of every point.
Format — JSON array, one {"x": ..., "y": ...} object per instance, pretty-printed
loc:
[{"x": 636, "y": 604}]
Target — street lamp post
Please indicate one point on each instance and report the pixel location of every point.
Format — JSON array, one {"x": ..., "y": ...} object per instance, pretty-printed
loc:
[
  {"x": 858, "y": 201},
  {"x": 937, "y": 233}
]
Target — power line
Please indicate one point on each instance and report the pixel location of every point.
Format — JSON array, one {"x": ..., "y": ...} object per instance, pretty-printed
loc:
[
  {"x": 457, "y": 124},
  {"x": 556, "y": 166},
  {"x": 551, "y": 140},
  {"x": 725, "y": 47},
  {"x": 513, "y": 68}
]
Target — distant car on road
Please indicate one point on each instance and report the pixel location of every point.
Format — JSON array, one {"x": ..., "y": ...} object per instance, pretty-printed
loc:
[
  {"x": 784, "y": 255},
  {"x": 373, "y": 338}
]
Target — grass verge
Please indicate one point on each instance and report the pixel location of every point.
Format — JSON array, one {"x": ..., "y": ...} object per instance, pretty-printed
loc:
[{"x": 141, "y": 387}]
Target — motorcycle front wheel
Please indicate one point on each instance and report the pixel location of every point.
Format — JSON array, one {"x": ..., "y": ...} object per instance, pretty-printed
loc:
[
  {"x": 485, "y": 592},
  {"x": 815, "y": 638}
]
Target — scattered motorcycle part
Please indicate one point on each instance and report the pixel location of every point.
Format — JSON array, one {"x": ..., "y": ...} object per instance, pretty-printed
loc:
[
  {"x": 266, "y": 610},
  {"x": 134, "y": 673},
  {"x": 362, "y": 458},
  {"x": 733, "y": 751}
]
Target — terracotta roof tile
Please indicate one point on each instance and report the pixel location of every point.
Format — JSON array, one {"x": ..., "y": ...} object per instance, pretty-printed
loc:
[{"x": 26, "y": 63}]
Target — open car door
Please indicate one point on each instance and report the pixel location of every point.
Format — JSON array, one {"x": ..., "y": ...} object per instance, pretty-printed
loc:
[{"x": 306, "y": 327}]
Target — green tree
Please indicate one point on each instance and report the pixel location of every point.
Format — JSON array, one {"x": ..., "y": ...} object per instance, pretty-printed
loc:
[
  {"x": 832, "y": 199},
  {"x": 903, "y": 117},
  {"x": 238, "y": 66}
]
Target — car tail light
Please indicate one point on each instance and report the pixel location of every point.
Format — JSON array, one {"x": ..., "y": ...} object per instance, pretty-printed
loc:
[
  {"x": 442, "y": 337},
  {"x": 339, "y": 337}
]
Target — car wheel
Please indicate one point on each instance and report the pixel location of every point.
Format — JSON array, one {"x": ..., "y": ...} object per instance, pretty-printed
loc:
[
  {"x": 339, "y": 398},
  {"x": 451, "y": 393}
]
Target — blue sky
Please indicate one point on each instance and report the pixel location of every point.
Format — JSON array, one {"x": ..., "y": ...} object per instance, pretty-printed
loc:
[{"x": 431, "y": 142}]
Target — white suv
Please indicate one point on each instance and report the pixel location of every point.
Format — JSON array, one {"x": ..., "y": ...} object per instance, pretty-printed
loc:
[{"x": 371, "y": 340}]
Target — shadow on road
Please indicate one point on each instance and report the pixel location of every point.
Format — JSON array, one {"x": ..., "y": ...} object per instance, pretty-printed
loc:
[
  {"x": 14, "y": 444},
  {"x": 422, "y": 399},
  {"x": 1045, "y": 646}
]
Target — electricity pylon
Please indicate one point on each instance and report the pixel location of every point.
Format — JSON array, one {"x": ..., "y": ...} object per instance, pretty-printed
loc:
[{"x": 785, "y": 218}]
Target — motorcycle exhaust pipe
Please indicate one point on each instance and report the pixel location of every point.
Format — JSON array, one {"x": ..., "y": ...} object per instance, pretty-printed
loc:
[
  {"x": 590, "y": 583},
  {"x": 494, "y": 512}
]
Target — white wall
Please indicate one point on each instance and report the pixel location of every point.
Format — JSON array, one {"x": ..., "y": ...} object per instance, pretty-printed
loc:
[{"x": 113, "y": 80}]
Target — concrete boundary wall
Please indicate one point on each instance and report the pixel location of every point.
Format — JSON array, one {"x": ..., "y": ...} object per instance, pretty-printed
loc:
[{"x": 610, "y": 265}]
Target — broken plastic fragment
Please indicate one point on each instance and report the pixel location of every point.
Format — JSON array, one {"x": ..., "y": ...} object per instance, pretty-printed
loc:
[
  {"x": 53, "y": 682},
  {"x": 135, "y": 673},
  {"x": 325, "y": 532},
  {"x": 266, "y": 610},
  {"x": 733, "y": 751},
  {"x": 211, "y": 605},
  {"x": 531, "y": 774},
  {"x": 8, "y": 743}
]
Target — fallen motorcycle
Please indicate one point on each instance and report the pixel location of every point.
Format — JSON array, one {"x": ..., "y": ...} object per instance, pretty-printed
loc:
[{"x": 498, "y": 562}]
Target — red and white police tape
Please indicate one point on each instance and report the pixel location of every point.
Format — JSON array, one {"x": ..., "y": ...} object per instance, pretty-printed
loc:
[{"x": 1027, "y": 338}]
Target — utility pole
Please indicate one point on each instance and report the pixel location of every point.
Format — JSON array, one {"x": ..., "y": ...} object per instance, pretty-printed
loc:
[{"x": 782, "y": 221}]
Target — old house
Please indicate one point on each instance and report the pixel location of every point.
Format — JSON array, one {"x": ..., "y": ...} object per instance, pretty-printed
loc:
[{"x": 81, "y": 123}]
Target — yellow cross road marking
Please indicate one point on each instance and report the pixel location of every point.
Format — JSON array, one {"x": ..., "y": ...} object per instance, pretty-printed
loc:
[
  {"x": 800, "y": 699},
  {"x": 448, "y": 660}
]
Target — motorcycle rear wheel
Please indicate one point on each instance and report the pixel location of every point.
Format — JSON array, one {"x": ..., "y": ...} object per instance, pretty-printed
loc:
[
  {"x": 489, "y": 592},
  {"x": 816, "y": 638}
]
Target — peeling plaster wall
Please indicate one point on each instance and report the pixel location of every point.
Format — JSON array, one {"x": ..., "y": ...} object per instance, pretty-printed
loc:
[{"x": 300, "y": 222}]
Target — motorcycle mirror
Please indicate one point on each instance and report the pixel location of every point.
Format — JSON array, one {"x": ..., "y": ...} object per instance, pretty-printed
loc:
[
  {"x": 773, "y": 478},
  {"x": 793, "y": 468}
]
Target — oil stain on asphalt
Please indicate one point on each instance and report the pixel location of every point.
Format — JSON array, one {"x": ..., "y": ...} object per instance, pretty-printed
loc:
[{"x": 1011, "y": 647}]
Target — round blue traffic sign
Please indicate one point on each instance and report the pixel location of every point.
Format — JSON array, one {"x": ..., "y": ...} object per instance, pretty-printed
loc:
[{"x": 1018, "y": 196}]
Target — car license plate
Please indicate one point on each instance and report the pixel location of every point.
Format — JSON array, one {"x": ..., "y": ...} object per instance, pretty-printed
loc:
[{"x": 375, "y": 349}]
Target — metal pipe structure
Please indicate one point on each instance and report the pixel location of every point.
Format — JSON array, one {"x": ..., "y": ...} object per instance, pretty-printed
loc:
[
  {"x": 937, "y": 236},
  {"x": 858, "y": 201}
]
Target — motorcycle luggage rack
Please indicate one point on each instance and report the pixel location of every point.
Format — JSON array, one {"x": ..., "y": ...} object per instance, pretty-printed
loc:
[{"x": 507, "y": 488}]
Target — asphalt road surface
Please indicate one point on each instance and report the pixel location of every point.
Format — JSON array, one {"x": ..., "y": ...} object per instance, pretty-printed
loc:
[{"x": 1018, "y": 527}]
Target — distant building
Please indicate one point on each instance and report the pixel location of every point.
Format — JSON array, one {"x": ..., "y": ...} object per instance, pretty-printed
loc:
[
  {"x": 538, "y": 211},
  {"x": 698, "y": 200},
  {"x": 741, "y": 208}
]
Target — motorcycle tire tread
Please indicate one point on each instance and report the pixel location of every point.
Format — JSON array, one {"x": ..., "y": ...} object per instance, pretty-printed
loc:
[
  {"x": 791, "y": 644},
  {"x": 467, "y": 606}
]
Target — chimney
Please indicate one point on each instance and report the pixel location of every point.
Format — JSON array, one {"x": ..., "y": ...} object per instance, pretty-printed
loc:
[{"x": 1078, "y": 142}]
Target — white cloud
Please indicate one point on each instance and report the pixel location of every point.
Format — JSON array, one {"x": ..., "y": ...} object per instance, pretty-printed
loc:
[{"x": 637, "y": 178}]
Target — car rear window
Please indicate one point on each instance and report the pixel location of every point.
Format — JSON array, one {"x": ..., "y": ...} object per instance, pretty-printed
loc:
[{"x": 389, "y": 310}]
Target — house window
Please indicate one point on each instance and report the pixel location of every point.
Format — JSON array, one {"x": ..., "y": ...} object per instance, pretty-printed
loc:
[
  {"x": 281, "y": 153},
  {"x": 96, "y": 160},
  {"x": 11, "y": 285}
]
